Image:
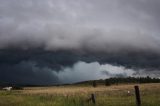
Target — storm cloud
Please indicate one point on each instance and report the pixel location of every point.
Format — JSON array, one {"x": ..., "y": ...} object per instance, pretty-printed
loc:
[
  {"x": 83, "y": 24},
  {"x": 50, "y": 36}
]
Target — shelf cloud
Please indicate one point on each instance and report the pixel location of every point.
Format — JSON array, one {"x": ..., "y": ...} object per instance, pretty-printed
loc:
[{"x": 40, "y": 37}]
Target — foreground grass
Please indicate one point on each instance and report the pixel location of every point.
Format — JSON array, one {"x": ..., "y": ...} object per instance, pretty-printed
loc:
[{"x": 77, "y": 96}]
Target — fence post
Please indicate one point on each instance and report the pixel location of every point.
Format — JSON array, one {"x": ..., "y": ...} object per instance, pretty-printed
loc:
[
  {"x": 138, "y": 99},
  {"x": 93, "y": 98}
]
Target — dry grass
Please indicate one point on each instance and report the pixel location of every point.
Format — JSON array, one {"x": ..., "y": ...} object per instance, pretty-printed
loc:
[
  {"x": 115, "y": 95},
  {"x": 73, "y": 90}
]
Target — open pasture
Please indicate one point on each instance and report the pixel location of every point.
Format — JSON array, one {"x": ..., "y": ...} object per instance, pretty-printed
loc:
[{"x": 72, "y": 95}]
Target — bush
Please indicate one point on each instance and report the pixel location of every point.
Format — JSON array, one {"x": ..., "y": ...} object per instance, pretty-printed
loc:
[{"x": 17, "y": 88}]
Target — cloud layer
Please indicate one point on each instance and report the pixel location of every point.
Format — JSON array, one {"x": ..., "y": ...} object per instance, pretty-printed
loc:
[
  {"x": 40, "y": 38},
  {"x": 82, "y": 71},
  {"x": 48, "y": 67},
  {"x": 79, "y": 25}
]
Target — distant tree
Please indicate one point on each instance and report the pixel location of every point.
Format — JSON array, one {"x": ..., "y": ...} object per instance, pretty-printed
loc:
[
  {"x": 107, "y": 82},
  {"x": 94, "y": 83}
]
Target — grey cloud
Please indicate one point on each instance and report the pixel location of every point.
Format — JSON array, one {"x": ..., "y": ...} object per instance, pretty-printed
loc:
[
  {"x": 61, "y": 25},
  {"x": 82, "y": 71},
  {"x": 49, "y": 35}
]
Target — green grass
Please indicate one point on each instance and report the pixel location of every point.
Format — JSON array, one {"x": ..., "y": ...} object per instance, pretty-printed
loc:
[{"x": 150, "y": 97}]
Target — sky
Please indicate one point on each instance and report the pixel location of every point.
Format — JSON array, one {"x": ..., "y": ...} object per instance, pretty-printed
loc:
[{"x": 66, "y": 41}]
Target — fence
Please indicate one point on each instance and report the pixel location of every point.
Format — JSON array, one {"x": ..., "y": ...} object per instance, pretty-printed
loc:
[{"x": 137, "y": 95}]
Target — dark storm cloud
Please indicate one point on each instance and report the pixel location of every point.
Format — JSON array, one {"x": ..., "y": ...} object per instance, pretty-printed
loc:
[
  {"x": 40, "y": 38},
  {"x": 25, "y": 73},
  {"x": 48, "y": 67},
  {"x": 58, "y": 60}
]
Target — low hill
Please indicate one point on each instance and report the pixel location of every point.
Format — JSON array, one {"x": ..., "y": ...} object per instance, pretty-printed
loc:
[{"x": 116, "y": 80}]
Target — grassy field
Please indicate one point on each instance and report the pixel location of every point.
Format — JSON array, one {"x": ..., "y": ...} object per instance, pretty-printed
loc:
[{"x": 115, "y": 95}]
